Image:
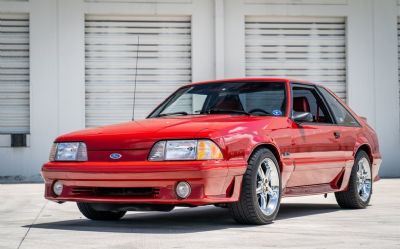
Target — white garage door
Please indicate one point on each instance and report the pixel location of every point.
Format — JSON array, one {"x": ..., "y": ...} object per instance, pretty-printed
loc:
[
  {"x": 298, "y": 47},
  {"x": 111, "y": 49},
  {"x": 14, "y": 73}
]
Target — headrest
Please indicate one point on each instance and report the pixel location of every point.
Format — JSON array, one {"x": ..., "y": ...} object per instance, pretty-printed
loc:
[{"x": 300, "y": 104}]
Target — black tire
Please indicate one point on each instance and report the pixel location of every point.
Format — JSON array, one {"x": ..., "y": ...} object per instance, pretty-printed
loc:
[
  {"x": 247, "y": 209},
  {"x": 351, "y": 199},
  {"x": 89, "y": 212}
]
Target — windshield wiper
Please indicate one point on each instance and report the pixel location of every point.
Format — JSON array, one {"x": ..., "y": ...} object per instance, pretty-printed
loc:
[
  {"x": 173, "y": 113},
  {"x": 217, "y": 110}
]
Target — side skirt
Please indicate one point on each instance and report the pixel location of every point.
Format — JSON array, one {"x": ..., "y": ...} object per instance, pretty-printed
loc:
[{"x": 309, "y": 190}]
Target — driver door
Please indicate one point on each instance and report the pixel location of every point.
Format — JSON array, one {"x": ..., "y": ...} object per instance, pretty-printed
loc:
[{"x": 315, "y": 148}]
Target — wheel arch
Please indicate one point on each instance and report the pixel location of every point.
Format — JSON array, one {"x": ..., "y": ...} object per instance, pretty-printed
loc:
[
  {"x": 274, "y": 151},
  {"x": 367, "y": 148}
]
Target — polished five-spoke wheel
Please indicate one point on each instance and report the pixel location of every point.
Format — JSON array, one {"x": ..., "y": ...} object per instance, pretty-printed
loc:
[
  {"x": 359, "y": 191},
  {"x": 267, "y": 186},
  {"x": 364, "y": 181},
  {"x": 261, "y": 190}
]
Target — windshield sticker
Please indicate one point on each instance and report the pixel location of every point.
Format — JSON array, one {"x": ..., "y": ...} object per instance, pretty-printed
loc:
[{"x": 277, "y": 112}]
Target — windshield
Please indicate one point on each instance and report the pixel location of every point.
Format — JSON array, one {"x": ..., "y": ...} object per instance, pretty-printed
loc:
[{"x": 241, "y": 98}]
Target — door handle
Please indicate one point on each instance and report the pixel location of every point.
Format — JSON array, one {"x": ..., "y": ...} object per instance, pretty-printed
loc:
[{"x": 336, "y": 134}]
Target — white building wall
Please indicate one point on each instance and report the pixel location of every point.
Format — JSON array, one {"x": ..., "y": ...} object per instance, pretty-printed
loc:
[
  {"x": 57, "y": 81},
  {"x": 386, "y": 84}
]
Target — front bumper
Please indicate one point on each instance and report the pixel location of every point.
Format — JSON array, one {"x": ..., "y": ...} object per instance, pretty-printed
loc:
[{"x": 144, "y": 182}]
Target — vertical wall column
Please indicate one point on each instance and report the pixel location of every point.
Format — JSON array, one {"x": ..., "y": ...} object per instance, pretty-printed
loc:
[
  {"x": 44, "y": 86},
  {"x": 360, "y": 61},
  {"x": 386, "y": 84},
  {"x": 234, "y": 39},
  {"x": 219, "y": 17},
  {"x": 71, "y": 66},
  {"x": 203, "y": 66}
]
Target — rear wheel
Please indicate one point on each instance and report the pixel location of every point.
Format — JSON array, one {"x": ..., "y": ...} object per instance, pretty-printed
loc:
[
  {"x": 359, "y": 191},
  {"x": 89, "y": 212},
  {"x": 261, "y": 190}
]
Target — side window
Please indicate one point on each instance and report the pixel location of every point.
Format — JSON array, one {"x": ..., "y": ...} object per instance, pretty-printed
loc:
[
  {"x": 342, "y": 116},
  {"x": 306, "y": 99}
]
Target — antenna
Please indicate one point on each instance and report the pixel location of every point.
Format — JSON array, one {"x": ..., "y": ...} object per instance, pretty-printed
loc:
[{"x": 134, "y": 86}]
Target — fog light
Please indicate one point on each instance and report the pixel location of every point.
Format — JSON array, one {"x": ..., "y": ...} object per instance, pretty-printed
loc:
[
  {"x": 57, "y": 188},
  {"x": 183, "y": 190}
]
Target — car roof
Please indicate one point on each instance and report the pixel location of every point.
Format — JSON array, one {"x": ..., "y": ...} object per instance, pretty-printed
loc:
[{"x": 250, "y": 79}]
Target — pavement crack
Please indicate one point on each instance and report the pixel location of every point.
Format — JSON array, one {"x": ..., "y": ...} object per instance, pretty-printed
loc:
[{"x": 30, "y": 226}]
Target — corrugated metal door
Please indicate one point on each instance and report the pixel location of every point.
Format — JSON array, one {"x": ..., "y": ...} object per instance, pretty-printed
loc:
[
  {"x": 307, "y": 48},
  {"x": 14, "y": 73},
  {"x": 111, "y": 49}
]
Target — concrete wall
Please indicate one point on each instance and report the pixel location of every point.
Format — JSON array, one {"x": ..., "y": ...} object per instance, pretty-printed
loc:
[{"x": 57, "y": 62}]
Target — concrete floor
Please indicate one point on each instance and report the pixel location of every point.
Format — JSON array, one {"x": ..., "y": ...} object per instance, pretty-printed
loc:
[{"x": 28, "y": 221}]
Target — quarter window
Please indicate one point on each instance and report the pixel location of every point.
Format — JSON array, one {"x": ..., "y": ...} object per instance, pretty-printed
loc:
[{"x": 342, "y": 116}]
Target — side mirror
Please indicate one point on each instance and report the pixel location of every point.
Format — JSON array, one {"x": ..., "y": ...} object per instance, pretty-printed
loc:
[{"x": 302, "y": 117}]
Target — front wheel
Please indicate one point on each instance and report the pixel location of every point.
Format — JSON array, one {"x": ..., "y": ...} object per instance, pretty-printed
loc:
[
  {"x": 89, "y": 212},
  {"x": 261, "y": 190},
  {"x": 359, "y": 191}
]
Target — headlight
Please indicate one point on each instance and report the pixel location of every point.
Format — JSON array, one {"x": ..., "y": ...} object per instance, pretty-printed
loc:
[
  {"x": 185, "y": 150},
  {"x": 76, "y": 151}
]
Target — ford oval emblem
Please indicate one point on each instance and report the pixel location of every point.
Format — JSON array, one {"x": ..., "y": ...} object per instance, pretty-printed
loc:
[{"x": 115, "y": 156}]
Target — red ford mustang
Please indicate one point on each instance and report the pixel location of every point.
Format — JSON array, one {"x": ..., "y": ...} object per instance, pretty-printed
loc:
[{"x": 240, "y": 143}]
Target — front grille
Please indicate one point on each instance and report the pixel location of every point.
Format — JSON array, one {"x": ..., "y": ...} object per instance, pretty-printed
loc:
[{"x": 117, "y": 192}]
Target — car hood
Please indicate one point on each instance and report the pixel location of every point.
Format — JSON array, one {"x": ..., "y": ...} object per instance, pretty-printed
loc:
[{"x": 142, "y": 134}]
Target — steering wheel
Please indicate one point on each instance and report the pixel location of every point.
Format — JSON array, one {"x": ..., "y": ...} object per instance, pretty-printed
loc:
[{"x": 258, "y": 110}]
